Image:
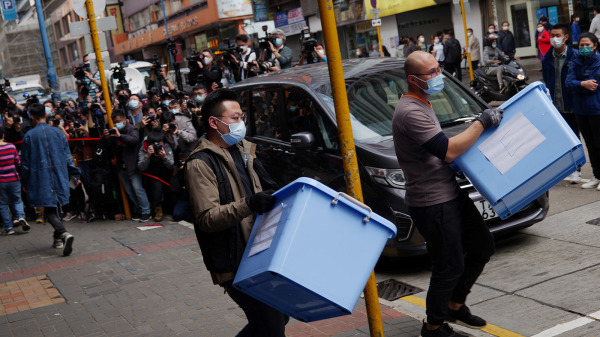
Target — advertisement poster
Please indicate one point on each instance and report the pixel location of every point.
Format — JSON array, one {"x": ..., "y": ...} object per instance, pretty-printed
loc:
[
  {"x": 233, "y": 8},
  {"x": 291, "y": 22},
  {"x": 260, "y": 11},
  {"x": 540, "y": 12},
  {"x": 553, "y": 15}
]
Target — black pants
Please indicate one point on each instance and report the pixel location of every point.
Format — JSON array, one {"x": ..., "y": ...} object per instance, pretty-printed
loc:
[
  {"x": 459, "y": 245},
  {"x": 55, "y": 221},
  {"x": 454, "y": 68},
  {"x": 263, "y": 321},
  {"x": 589, "y": 126},
  {"x": 474, "y": 64},
  {"x": 154, "y": 190}
]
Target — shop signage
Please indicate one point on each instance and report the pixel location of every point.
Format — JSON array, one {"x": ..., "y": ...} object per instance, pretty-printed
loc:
[
  {"x": 9, "y": 11},
  {"x": 291, "y": 22},
  {"x": 181, "y": 26},
  {"x": 391, "y": 7},
  {"x": 260, "y": 11},
  {"x": 233, "y": 8},
  {"x": 353, "y": 14}
]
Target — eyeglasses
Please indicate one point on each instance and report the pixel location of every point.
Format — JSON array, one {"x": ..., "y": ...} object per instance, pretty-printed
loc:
[
  {"x": 433, "y": 73},
  {"x": 237, "y": 118}
]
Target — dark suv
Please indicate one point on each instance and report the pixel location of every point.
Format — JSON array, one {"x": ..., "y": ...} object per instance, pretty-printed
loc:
[{"x": 291, "y": 118}]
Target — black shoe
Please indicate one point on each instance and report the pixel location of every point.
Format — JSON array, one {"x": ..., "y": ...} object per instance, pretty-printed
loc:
[
  {"x": 67, "y": 240},
  {"x": 443, "y": 331},
  {"x": 135, "y": 217},
  {"x": 464, "y": 317},
  {"x": 145, "y": 217}
]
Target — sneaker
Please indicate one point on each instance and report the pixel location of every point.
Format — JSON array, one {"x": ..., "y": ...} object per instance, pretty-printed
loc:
[
  {"x": 145, "y": 217},
  {"x": 57, "y": 243},
  {"x": 591, "y": 184},
  {"x": 39, "y": 219},
  {"x": 464, "y": 317},
  {"x": 69, "y": 216},
  {"x": 575, "y": 177},
  {"x": 135, "y": 217},
  {"x": 24, "y": 225},
  {"x": 67, "y": 240},
  {"x": 9, "y": 231},
  {"x": 443, "y": 331}
]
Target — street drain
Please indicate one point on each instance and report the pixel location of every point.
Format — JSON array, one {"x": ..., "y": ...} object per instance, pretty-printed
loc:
[
  {"x": 392, "y": 290},
  {"x": 595, "y": 222}
]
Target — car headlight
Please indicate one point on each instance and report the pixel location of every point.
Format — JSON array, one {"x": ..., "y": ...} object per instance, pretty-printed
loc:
[
  {"x": 387, "y": 177},
  {"x": 520, "y": 77}
]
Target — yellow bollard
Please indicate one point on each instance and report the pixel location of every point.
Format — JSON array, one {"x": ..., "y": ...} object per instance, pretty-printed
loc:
[{"x": 342, "y": 112}]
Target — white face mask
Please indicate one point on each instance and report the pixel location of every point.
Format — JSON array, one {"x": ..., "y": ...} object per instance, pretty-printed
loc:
[
  {"x": 469, "y": 34},
  {"x": 491, "y": 30},
  {"x": 540, "y": 29},
  {"x": 557, "y": 42},
  {"x": 421, "y": 39},
  {"x": 207, "y": 60},
  {"x": 504, "y": 27},
  {"x": 436, "y": 40},
  {"x": 320, "y": 51}
]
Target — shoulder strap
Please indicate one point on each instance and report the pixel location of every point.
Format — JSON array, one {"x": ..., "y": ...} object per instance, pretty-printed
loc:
[{"x": 211, "y": 159}]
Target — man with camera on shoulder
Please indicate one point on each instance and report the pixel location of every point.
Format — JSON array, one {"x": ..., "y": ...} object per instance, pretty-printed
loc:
[{"x": 279, "y": 51}]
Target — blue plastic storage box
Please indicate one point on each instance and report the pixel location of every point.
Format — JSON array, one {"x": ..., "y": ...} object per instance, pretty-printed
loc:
[
  {"x": 313, "y": 260},
  {"x": 532, "y": 150}
]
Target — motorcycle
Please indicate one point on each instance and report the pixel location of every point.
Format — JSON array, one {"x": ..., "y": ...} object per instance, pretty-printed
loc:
[{"x": 514, "y": 77}]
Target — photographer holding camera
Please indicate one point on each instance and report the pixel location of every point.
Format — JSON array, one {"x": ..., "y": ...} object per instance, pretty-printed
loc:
[
  {"x": 247, "y": 57},
  {"x": 279, "y": 51},
  {"x": 150, "y": 121},
  {"x": 162, "y": 74},
  {"x": 91, "y": 81},
  {"x": 308, "y": 56},
  {"x": 182, "y": 133},
  {"x": 134, "y": 107},
  {"x": 155, "y": 158},
  {"x": 124, "y": 140},
  {"x": 211, "y": 73}
]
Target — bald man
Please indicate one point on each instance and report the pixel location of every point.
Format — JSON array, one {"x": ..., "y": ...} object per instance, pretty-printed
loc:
[{"x": 458, "y": 241}]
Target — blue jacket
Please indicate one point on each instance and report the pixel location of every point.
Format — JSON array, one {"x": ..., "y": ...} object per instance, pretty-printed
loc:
[
  {"x": 46, "y": 163},
  {"x": 576, "y": 31},
  {"x": 550, "y": 76},
  {"x": 584, "y": 101}
]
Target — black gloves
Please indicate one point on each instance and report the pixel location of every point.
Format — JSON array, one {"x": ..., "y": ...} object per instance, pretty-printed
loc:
[
  {"x": 490, "y": 117},
  {"x": 261, "y": 202}
]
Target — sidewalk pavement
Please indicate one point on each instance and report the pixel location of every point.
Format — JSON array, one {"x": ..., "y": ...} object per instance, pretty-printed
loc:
[{"x": 121, "y": 281}]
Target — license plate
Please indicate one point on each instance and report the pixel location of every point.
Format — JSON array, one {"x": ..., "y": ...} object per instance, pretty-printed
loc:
[{"x": 486, "y": 210}]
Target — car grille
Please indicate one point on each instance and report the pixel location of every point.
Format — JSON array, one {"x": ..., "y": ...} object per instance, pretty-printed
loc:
[{"x": 404, "y": 225}]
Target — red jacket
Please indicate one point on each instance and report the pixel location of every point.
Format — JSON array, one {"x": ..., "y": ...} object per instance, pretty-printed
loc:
[{"x": 544, "y": 41}]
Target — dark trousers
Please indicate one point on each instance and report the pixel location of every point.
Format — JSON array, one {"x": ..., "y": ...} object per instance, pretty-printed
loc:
[
  {"x": 263, "y": 321},
  {"x": 454, "y": 68},
  {"x": 572, "y": 121},
  {"x": 589, "y": 126},
  {"x": 474, "y": 64},
  {"x": 459, "y": 245},
  {"x": 154, "y": 190},
  {"x": 54, "y": 219}
]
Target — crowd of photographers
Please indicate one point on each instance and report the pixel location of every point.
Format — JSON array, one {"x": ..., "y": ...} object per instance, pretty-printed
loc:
[{"x": 153, "y": 134}]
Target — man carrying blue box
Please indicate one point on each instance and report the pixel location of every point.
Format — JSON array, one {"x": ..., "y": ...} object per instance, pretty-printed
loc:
[
  {"x": 555, "y": 66},
  {"x": 225, "y": 184},
  {"x": 458, "y": 241}
]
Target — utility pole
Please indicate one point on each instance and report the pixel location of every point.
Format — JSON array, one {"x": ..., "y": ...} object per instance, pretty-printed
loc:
[{"x": 52, "y": 80}]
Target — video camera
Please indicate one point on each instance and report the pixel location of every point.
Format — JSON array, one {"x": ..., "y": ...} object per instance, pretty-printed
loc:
[
  {"x": 119, "y": 74},
  {"x": 195, "y": 75},
  {"x": 80, "y": 71},
  {"x": 157, "y": 147},
  {"x": 309, "y": 44},
  {"x": 228, "y": 48},
  {"x": 263, "y": 42}
]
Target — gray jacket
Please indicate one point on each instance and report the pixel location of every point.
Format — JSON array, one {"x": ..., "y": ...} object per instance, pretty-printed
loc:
[
  {"x": 474, "y": 48},
  {"x": 144, "y": 161},
  {"x": 186, "y": 138},
  {"x": 489, "y": 56}
]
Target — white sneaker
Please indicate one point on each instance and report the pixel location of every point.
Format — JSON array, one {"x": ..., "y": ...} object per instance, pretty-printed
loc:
[
  {"x": 575, "y": 177},
  {"x": 591, "y": 184}
]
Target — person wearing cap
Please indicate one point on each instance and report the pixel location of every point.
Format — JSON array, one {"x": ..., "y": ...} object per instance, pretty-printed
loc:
[{"x": 279, "y": 51}]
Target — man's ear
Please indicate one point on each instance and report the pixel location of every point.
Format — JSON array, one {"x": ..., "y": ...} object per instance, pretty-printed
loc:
[{"x": 212, "y": 122}]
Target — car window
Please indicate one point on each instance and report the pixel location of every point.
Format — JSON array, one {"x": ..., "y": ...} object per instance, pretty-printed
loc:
[
  {"x": 373, "y": 99},
  {"x": 304, "y": 114},
  {"x": 266, "y": 115}
]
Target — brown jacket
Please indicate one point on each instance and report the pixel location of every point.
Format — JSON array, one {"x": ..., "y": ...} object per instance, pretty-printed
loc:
[{"x": 211, "y": 219}]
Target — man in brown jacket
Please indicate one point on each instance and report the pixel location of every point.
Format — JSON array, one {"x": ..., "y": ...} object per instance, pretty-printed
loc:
[{"x": 225, "y": 183}]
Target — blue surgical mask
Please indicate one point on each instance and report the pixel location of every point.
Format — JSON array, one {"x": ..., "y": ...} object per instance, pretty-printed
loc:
[
  {"x": 278, "y": 42},
  {"x": 48, "y": 111},
  {"x": 493, "y": 45},
  {"x": 435, "y": 84},
  {"x": 293, "y": 108},
  {"x": 237, "y": 132},
  {"x": 120, "y": 125},
  {"x": 199, "y": 98},
  {"x": 175, "y": 111},
  {"x": 133, "y": 104},
  {"x": 586, "y": 51},
  {"x": 166, "y": 102}
]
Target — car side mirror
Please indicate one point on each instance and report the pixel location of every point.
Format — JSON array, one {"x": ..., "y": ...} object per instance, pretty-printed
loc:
[{"x": 303, "y": 141}]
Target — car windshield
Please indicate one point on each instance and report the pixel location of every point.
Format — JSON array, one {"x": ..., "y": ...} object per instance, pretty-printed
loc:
[{"x": 372, "y": 100}]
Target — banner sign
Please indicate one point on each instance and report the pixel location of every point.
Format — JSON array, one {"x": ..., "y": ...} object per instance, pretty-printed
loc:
[{"x": 9, "y": 11}]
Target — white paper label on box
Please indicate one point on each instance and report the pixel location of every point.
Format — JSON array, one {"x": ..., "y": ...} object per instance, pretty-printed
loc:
[
  {"x": 511, "y": 143},
  {"x": 266, "y": 231}
]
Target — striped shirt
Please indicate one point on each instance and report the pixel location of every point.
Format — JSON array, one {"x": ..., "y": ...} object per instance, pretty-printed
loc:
[{"x": 8, "y": 159}]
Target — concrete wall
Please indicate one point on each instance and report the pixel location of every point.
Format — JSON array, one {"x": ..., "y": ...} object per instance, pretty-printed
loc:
[
  {"x": 389, "y": 30},
  {"x": 133, "y": 6}
]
